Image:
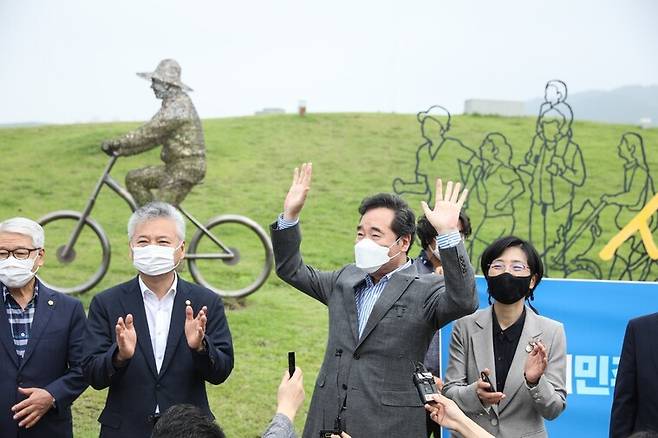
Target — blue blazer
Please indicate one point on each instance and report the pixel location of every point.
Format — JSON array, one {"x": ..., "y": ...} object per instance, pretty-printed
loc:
[
  {"x": 635, "y": 405},
  {"x": 52, "y": 361},
  {"x": 137, "y": 388}
]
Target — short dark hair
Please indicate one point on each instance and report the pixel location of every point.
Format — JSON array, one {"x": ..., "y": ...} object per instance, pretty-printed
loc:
[
  {"x": 494, "y": 250},
  {"x": 404, "y": 221},
  {"x": 186, "y": 421},
  {"x": 426, "y": 232},
  {"x": 466, "y": 224}
]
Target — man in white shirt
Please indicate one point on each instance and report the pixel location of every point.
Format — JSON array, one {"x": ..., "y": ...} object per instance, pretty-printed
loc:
[{"x": 135, "y": 330}]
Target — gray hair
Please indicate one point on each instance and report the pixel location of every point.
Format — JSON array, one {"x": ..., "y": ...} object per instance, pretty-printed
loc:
[
  {"x": 26, "y": 227},
  {"x": 154, "y": 210}
]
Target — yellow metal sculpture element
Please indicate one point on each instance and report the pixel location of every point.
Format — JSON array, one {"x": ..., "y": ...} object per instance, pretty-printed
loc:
[{"x": 639, "y": 223}]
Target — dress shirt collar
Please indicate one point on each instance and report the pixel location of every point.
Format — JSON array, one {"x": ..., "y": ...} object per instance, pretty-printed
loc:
[
  {"x": 511, "y": 333},
  {"x": 385, "y": 278},
  {"x": 145, "y": 289},
  {"x": 6, "y": 293}
]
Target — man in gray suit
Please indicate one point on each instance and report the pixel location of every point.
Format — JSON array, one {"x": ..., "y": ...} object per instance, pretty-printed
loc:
[{"x": 382, "y": 313}]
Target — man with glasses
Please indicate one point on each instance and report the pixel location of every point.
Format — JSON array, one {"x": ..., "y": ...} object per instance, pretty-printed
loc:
[
  {"x": 41, "y": 332},
  {"x": 507, "y": 368}
]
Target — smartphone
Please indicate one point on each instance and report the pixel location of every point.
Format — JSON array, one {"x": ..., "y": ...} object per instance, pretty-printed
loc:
[
  {"x": 486, "y": 379},
  {"x": 291, "y": 363}
]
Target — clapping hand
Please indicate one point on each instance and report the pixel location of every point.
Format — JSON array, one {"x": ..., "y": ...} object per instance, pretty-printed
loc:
[
  {"x": 445, "y": 215},
  {"x": 536, "y": 363},
  {"x": 301, "y": 183},
  {"x": 195, "y": 328},
  {"x": 126, "y": 338}
]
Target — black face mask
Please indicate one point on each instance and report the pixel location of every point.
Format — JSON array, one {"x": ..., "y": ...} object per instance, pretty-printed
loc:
[{"x": 507, "y": 288}]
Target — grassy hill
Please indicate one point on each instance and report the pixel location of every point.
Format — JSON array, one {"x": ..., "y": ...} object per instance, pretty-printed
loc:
[{"x": 249, "y": 170}]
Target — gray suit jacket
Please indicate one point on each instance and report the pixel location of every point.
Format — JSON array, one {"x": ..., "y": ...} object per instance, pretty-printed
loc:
[
  {"x": 521, "y": 413},
  {"x": 374, "y": 373}
]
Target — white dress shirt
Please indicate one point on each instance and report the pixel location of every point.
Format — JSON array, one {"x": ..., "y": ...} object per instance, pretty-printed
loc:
[{"x": 158, "y": 316}]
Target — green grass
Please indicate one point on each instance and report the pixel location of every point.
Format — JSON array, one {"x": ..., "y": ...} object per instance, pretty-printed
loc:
[{"x": 250, "y": 161}]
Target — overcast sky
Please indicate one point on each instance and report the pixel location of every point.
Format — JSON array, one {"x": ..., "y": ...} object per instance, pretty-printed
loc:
[{"x": 75, "y": 60}]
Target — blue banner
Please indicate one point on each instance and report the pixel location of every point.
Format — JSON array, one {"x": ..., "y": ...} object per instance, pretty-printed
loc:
[{"x": 594, "y": 314}]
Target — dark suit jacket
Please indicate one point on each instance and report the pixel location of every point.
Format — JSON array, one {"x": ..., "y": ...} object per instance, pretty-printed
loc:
[
  {"x": 52, "y": 361},
  {"x": 635, "y": 405},
  {"x": 137, "y": 388},
  {"x": 374, "y": 372}
]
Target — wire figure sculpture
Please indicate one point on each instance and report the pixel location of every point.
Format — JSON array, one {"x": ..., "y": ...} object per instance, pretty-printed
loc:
[
  {"x": 542, "y": 193},
  {"x": 556, "y": 167},
  {"x": 239, "y": 243},
  {"x": 638, "y": 188},
  {"x": 494, "y": 168},
  {"x": 435, "y": 156}
]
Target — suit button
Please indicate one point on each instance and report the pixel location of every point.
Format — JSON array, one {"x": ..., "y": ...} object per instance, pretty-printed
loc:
[
  {"x": 494, "y": 422},
  {"x": 344, "y": 386},
  {"x": 157, "y": 386},
  {"x": 356, "y": 356}
]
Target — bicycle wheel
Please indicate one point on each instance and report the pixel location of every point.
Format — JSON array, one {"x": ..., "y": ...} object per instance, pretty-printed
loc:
[
  {"x": 87, "y": 261},
  {"x": 233, "y": 275}
]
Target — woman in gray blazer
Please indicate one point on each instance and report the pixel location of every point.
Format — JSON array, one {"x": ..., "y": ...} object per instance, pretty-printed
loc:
[{"x": 507, "y": 366}]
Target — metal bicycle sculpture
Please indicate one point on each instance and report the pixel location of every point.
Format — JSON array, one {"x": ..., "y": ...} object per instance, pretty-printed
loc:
[{"x": 207, "y": 244}]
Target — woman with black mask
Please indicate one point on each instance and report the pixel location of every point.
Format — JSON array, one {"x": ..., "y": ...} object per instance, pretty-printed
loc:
[{"x": 507, "y": 367}]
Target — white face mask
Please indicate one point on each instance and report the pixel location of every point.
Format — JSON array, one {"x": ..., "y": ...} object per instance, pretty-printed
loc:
[
  {"x": 15, "y": 273},
  {"x": 370, "y": 256},
  {"x": 154, "y": 259}
]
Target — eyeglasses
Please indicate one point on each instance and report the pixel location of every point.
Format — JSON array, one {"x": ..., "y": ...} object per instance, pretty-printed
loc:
[
  {"x": 18, "y": 253},
  {"x": 500, "y": 267}
]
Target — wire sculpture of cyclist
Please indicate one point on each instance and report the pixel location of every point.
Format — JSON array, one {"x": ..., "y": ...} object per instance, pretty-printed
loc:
[{"x": 177, "y": 127}]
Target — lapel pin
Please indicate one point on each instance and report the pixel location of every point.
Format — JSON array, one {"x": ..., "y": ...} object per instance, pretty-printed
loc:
[
  {"x": 51, "y": 302},
  {"x": 188, "y": 302},
  {"x": 529, "y": 347}
]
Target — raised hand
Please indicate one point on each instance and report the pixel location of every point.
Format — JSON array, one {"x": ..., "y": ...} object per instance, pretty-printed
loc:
[
  {"x": 301, "y": 183},
  {"x": 445, "y": 215},
  {"x": 29, "y": 411},
  {"x": 195, "y": 328},
  {"x": 126, "y": 338},
  {"x": 536, "y": 363}
]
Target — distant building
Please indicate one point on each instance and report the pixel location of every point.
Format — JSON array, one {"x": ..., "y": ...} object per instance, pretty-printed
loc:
[
  {"x": 645, "y": 122},
  {"x": 508, "y": 108},
  {"x": 266, "y": 111}
]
